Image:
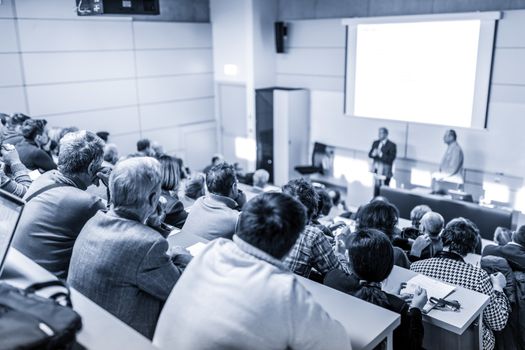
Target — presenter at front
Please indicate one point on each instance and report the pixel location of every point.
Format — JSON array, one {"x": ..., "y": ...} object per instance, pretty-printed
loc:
[{"x": 383, "y": 152}]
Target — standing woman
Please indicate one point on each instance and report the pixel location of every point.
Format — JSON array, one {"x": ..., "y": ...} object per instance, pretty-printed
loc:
[{"x": 172, "y": 206}]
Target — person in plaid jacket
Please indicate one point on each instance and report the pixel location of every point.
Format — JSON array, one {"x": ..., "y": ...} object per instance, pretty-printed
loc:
[{"x": 459, "y": 239}]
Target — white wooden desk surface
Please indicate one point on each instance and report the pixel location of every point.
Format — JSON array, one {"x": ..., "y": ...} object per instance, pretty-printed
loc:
[
  {"x": 472, "y": 304},
  {"x": 100, "y": 329},
  {"x": 366, "y": 324}
]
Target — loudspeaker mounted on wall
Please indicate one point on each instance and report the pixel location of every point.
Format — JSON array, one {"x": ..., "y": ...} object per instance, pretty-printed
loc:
[{"x": 281, "y": 32}]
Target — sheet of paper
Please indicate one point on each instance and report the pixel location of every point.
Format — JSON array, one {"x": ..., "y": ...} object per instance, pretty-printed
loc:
[
  {"x": 433, "y": 287},
  {"x": 196, "y": 249},
  {"x": 35, "y": 174}
]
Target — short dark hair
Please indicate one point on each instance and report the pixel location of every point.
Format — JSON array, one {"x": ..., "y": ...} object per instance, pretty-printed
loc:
[
  {"x": 519, "y": 236},
  {"x": 378, "y": 215},
  {"x": 103, "y": 135},
  {"x": 169, "y": 172},
  {"x": 33, "y": 127},
  {"x": 452, "y": 132},
  {"x": 272, "y": 222},
  {"x": 384, "y": 129},
  {"x": 372, "y": 260},
  {"x": 220, "y": 179},
  {"x": 336, "y": 196},
  {"x": 194, "y": 187},
  {"x": 303, "y": 191},
  {"x": 18, "y": 119},
  {"x": 142, "y": 145},
  {"x": 325, "y": 202},
  {"x": 214, "y": 159},
  {"x": 460, "y": 236}
]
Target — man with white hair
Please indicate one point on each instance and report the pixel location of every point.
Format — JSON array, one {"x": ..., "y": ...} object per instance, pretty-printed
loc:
[
  {"x": 118, "y": 261},
  {"x": 429, "y": 243},
  {"x": 58, "y": 205}
]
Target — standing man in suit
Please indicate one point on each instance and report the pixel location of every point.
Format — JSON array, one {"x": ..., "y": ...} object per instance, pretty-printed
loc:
[{"x": 383, "y": 152}]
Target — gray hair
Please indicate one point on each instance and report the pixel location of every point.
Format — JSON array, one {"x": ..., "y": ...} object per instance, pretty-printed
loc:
[
  {"x": 78, "y": 150},
  {"x": 432, "y": 223},
  {"x": 132, "y": 181},
  {"x": 417, "y": 213},
  {"x": 111, "y": 153},
  {"x": 260, "y": 178}
]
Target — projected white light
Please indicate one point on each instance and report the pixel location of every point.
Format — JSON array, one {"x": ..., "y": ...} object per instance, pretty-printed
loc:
[
  {"x": 245, "y": 148},
  {"x": 353, "y": 170},
  {"x": 520, "y": 200},
  {"x": 496, "y": 192},
  {"x": 231, "y": 69},
  {"x": 420, "y": 177}
]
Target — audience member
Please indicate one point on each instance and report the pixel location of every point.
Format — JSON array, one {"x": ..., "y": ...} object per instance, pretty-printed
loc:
[
  {"x": 459, "y": 238},
  {"x": 215, "y": 160},
  {"x": 57, "y": 206},
  {"x": 110, "y": 155},
  {"x": 14, "y": 176},
  {"x": 429, "y": 243},
  {"x": 193, "y": 190},
  {"x": 260, "y": 180},
  {"x": 383, "y": 216},
  {"x": 157, "y": 149},
  {"x": 172, "y": 206},
  {"x": 11, "y": 133},
  {"x": 119, "y": 262},
  {"x": 215, "y": 215},
  {"x": 513, "y": 252},
  {"x": 371, "y": 261},
  {"x": 502, "y": 235},
  {"x": 238, "y": 295},
  {"x": 104, "y": 136},
  {"x": 417, "y": 213},
  {"x": 338, "y": 205},
  {"x": 312, "y": 250},
  {"x": 144, "y": 149},
  {"x": 30, "y": 151}
]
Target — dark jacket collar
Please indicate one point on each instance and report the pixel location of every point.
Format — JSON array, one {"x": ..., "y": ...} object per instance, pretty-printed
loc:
[{"x": 449, "y": 255}]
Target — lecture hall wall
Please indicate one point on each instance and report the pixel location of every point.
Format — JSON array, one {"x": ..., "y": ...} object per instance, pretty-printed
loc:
[
  {"x": 315, "y": 60},
  {"x": 147, "y": 77}
]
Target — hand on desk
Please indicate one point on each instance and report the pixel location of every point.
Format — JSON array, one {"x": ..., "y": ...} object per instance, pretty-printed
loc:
[{"x": 419, "y": 300}]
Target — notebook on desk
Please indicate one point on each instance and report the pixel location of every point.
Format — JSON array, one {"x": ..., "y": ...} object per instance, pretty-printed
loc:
[
  {"x": 434, "y": 288},
  {"x": 11, "y": 209}
]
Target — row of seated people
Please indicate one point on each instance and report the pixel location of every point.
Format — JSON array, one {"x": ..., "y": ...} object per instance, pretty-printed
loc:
[{"x": 241, "y": 291}]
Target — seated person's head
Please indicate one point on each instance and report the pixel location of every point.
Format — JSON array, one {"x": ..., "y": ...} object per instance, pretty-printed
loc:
[
  {"x": 65, "y": 131},
  {"x": 371, "y": 259},
  {"x": 432, "y": 223},
  {"x": 460, "y": 236},
  {"x": 144, "y": 146},
  {"x": 519, "y": 236},
  {"x": 378, "y": 215},
  {"x": 502, "y": 235},
  {"x": 157, "y": 149},
  {"x": 305, "y": 193},
  {"x": 35, "y": 130},
  {"x": 260, "y": 178},
  {"x": 135, "y": 187},
  {"x": 417, "y": 213},
  {"x": 81, "y": 156},
  {"x": 111, "y": 153},
  {"x": 221, "y": 180},
  {"x": 104, "y": 135},
  {"x": 194, "y": 187},
  {"x": 170, "y": 172},
  {"x": 16, "y": 120},
  {"x": 272, "y": 223},
  {"x": 217, "y": 159},
  {"x": 325, "y": 202},
  {"x": 336, "y": 196}
]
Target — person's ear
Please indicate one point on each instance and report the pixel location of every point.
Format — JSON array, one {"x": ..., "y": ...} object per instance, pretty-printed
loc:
[{"x": 152, "y": 199}]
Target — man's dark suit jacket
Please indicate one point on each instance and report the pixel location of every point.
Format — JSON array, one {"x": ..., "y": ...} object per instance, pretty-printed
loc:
[
  {"x": 513, "y": 253},
  {"x": 383, "y": 164}
]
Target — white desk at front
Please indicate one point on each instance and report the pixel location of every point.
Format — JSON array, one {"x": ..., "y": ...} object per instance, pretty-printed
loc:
[
  {"x": 448, "y": 329},
  {"x": 100, "y": 329},
  {"x": 367, "y": 325}
]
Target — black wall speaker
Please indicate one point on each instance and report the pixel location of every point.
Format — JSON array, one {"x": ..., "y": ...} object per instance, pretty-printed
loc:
[{"x": 281, "y": 32}]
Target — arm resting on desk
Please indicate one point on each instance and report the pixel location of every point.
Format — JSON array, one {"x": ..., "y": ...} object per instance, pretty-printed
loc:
[{"x": 496, "y": 314}]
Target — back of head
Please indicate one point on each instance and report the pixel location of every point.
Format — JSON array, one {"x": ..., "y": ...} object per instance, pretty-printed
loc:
[
  {"x": 220, "y": 179},
  {"x": 453, "y": 134},
  {"x": 111, "y": 153},
  {"x": 336, "y": 196},
  {"x": 104, "y": 135},
  {"x": 132, "y": 182},
  {"x": 432, "y": 223},
  {"x": 460, "y": 236},
  {"x": 325, "y": 202},
  {"x": 66, "y": 131},
  {"x": 78, "y": 150},
  {"x": 170, "y": 172},
  {"x": 31, "y": 128},
  {"x": 194, "y": 187},
  {"x": 260, "y": 178},
  {"x": 378, "y": 215},
  {"x": 272, "y": 223},
  {"x": 519, "y": 236},
  {"x": 372, "y": 259},
  {"x": 143, "y": 145},
  {"x": 217, "y": 159},
  {"x": 417, "y": 213},
  {"x": 17, "y": 119},
  {"x": 305, "y": 193}
]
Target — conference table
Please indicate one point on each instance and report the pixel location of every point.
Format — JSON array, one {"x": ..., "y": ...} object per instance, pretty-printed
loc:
[
  {"x": 100, "y": 329},
  {"x": 367, "y": 325}
]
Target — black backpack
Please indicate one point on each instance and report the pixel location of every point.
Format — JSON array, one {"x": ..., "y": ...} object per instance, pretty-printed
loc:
[{"x": 29, "y": 321}]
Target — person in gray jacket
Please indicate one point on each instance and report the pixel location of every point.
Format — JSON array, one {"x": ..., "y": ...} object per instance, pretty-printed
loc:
[{"x": 118, "y": 261}]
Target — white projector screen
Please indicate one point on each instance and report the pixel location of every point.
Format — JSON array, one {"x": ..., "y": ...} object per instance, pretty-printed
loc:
[{"x": 426, "y": 69}]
